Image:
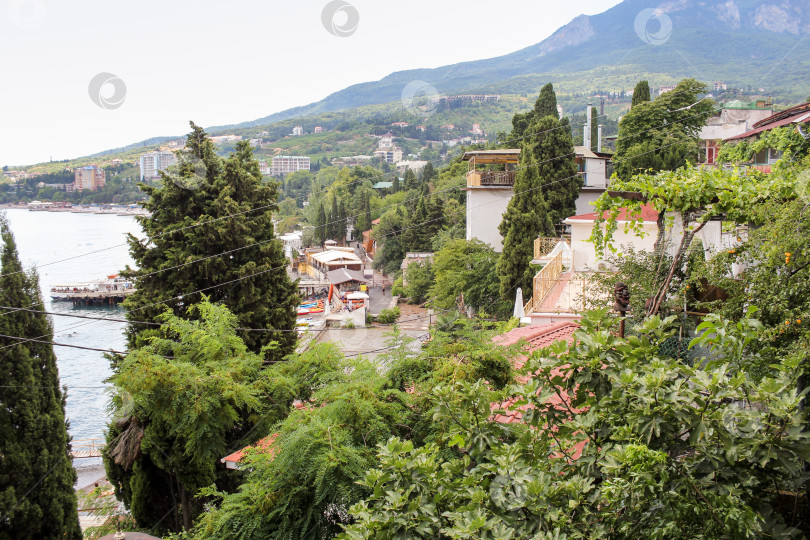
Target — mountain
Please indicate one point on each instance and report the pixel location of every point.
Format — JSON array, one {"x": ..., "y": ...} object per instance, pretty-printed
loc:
[{"x": 741, "y": 42}]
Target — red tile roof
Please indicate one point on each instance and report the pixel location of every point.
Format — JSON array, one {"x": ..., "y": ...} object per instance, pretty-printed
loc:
[
  {"x": 263, "y": 445},
  {"x": 648, "y": 213},
  {"x": 779, "y": 119},
  {"x": 537, "y": 337}
]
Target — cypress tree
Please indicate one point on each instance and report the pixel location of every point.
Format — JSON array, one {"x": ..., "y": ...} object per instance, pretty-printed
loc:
[
  {"x": 320, "y": 227},
  {"x": 641, "y": 93},
  {"x": 546, "y": 104},
  {"x": 395, "y": 184},
  {"x": 594, "y": 129},
  {"x": 36, "y": 474},
  {"x": 343, "y": 222},
  {"x": 333, "y": 226},
  {"x": 207, "y": 207},
  {"x": 410, "y": 179},
  {"x": 546, "y": 189},
  {"x": 429, "y": 172}
]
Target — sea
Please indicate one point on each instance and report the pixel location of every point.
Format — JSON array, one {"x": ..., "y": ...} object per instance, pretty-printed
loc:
[{"x": 67, "y": 248}]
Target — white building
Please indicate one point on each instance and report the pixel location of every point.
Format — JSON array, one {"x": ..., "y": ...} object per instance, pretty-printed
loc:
[
  {"x": 292, "y": 242},
  {"x": 318, "y": 129},
  {"x": 256, "y": 143},
  {"x": 297, "y": 130},
  {"x": 489, "y": 192},
  {"x": 153, "y": 163},
  {"x": 390, "y": 154},
  {"x": 285, "y": 165}
]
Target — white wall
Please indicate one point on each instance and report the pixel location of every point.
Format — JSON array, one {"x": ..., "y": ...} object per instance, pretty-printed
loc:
[
  {"x": 586, "y": 199},
  {"x": 585, "y": 254},
  {"x": 485, "y": 209},
  {"x": 595, "y": 173}
]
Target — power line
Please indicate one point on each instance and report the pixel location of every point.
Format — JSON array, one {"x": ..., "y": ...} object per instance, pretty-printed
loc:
[{"x": 255, "y": 274}]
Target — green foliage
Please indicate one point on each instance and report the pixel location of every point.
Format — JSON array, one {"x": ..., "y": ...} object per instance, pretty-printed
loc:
[
  {"x": 662, "y": 134},
  {"x": 206, "y": 207},
  {"x": 36, "y": 474},
  {"x": 641, "y": 93},
  {"x": 389, "y": 316},
  {"x": 468, "y": 268},
  {"x": 304, "y": 486},
  {"x": 420, "y": 277},
  {"x": 184, "y": 400},
  {"x": 614, "y": 441},
  {"x": 546, "y": 189},
  {"x": 782, "y": 139}
]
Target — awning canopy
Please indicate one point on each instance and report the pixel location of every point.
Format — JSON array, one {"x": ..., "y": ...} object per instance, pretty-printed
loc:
[{"x": 342, "y": 275}]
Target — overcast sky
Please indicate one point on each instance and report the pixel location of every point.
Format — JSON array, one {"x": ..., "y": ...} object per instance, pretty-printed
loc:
[{"x": 224, "y": 62}]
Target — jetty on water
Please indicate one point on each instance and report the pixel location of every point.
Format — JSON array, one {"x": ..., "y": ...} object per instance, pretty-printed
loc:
[{"x": 108, "y": 292}]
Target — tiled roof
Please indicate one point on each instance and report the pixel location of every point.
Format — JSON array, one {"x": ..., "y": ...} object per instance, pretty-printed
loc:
[
  {"x": 648, "y": 213},
  {"x": 537, "y": 337},
  {"x": 263, "y": 445}
]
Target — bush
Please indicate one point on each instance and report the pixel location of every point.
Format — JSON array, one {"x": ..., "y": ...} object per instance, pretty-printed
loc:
[
  {"x": 388, "y": 316},
  {"x": 397, "y": 289}
]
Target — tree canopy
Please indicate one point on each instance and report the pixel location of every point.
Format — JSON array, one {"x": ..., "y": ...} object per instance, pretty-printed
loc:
[
  {"x": 211, "y": 230},
  {"x": 36, "y": 472}
]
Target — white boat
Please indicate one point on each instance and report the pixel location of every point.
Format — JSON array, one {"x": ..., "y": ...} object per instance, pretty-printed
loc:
[{"x": 112, "y": 289}]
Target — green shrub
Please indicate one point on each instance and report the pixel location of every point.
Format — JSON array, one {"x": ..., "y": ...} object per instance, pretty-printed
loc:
[{"x": 388, "y": 316}]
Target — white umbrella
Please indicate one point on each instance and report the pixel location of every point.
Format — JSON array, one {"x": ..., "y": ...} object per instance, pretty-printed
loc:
[{"x": 519, "y": 313}]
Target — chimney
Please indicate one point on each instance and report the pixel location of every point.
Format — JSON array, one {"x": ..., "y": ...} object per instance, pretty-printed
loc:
[
  {"x": 599, "y": 141},
  {"x": 588, "y": 127},
  {"x": 585, "y": 131}
]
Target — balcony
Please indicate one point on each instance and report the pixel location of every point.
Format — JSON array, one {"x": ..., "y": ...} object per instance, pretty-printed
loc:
[
  {"x": 490, "y": 178},
  {"x": 506, "y": 158}
]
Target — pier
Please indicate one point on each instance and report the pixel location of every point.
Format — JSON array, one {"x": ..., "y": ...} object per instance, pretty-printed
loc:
[
  {"x": 109, "y": 292},
  {"x": 87, "y": 448}
]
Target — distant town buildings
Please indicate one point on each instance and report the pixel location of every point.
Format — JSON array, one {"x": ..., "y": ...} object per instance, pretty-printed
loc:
[
  {"x": 720, "y": 86},
  {"x": 318, "y": 129},
  {"x": 477, "y": 131},
  {"x": 153, "y": 163},
  {"x": 256, "y": 143},
  {"x": 285, "y": 165},
  {"x": 389, "y": 154},
  {"x": 664, "y": 88},
  {"x": 222, "y": 139},
  {"x": 91, "y": 178},
  {"x": 400, "y": 124},
  {"x": 448, "y": 127},
  {"x": 297, "y": 131}
]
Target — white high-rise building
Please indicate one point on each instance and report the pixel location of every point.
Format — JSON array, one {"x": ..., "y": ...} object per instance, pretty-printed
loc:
[{"x": 153, "y": 163}]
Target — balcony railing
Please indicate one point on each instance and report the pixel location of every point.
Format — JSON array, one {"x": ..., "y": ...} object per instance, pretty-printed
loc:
[
  {"x": 546, "y": 278},
  {"x": 543, "y": 246},
  {"x": 490, "y": 178}
]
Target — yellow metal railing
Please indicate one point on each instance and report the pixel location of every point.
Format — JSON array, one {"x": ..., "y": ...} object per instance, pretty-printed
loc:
[{"x": 546, "y": 278}]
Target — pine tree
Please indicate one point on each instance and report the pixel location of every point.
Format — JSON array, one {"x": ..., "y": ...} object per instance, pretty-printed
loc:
[
  {"x": 546, "y": 104},
  {"x": 395, "y": 184},
  {"x": 37, "y": 499},
  {"x": 207, "y": 207},
  {"x": 641, "y": 93},
  {"x": 546, "y": 189},
  {"x": 321, "y": 225},
  {"x": 594, "y": 129}
]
